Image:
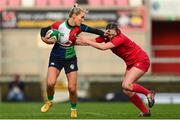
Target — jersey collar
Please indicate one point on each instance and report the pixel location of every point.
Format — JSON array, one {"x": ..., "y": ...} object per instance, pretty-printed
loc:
[{"x": 68, "y": 25}]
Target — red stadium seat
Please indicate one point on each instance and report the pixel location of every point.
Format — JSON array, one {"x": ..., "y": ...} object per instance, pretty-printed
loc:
[
  {"x": 3, "y": 3},
  {"x": 14, "y": 3},
  {"x": 122, "y": 2},
  {"x": 55, "y": 3},
  {"x": 41, "y": 3},
  {"x": 68, "y": 2},
  {"x": 95, "y": 2},
  {"x": 108, "y": 2}
]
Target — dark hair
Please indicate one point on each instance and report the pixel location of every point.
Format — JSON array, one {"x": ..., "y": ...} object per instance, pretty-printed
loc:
[{"x": 113, "y": 26}]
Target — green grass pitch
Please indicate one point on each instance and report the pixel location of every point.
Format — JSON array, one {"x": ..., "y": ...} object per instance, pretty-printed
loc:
[{"x": 87, "y": 110}]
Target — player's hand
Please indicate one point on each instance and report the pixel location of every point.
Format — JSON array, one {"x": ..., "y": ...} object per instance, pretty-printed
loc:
[
  {"x": 81, "y": 40},
  {"x": 47, "y": 40}
]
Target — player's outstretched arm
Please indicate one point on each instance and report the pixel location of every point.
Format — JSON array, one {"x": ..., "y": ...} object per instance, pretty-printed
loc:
[
  {"x": 81, "y": 43},
  {"x": 88, "y": 29},
  {"x": 93, "y": 43}
]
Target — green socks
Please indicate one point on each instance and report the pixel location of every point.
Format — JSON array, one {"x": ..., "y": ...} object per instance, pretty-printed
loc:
[
  {"x": 50, "y": 98},
  {"x": 73, "y": 105}
]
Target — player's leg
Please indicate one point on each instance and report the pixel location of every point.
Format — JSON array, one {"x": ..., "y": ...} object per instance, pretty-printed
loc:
[
  {"x": 72, "y": 87},
  {"x": 52, "y": 75},
  {"x": 129, "y": 83},
  {"x": 136, "y": 100},
  {"x": 71, "y": 69}
]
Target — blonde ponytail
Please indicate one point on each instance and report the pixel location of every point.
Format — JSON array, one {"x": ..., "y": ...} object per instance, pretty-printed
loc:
[
  {"x": 76, "y": 10},
  {"x": 76, "y": 5}
]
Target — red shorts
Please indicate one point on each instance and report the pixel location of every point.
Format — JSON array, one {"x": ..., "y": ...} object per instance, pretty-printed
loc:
[{"x": 142, "y": 65}]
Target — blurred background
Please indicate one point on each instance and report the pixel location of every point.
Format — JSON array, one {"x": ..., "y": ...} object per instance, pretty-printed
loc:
[{"x": 153, "y": 24}]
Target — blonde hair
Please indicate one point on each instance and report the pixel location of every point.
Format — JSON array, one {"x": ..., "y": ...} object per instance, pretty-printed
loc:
[{"x": 77, "y": 10}]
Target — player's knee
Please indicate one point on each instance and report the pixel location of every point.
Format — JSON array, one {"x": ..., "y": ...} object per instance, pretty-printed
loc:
[
  {"x": 72, "y": 88},
  {"x": 126, "y": 86},
  {"x": 128, "y": 93},
  {"x": 50, "y": 84}
]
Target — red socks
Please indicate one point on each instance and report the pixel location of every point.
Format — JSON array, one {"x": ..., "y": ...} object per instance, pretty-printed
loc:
[
  {"x": 136, "y": 100},
  {"x": 140, "y": 89}
]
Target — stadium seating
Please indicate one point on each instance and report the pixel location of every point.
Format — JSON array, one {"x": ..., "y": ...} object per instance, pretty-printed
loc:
[
  {"x": 14, "y": 3},
  {"x": 108, "y": 2},
  {"x": 41, "y": 3},
  {"x": 27, "y": 3},
  {"x": 68, "y": 2},
  {"x": 95, "y": 2},
  {"x": 55, "y": 3},
  {"x": 3, "y": 3},
  {"x": 122, "y": 2},
  {"x": 135, "y": 3}
]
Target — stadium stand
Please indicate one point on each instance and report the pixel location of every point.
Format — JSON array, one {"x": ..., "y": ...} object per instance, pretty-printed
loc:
[
  {"x": 3, "y": 3},
  {"x": 122, "y": 2},
  {"x": 55, "y": 3},
  {"x": 68, "y": 2},
  {"x": 27, "y": 3},
  {"x": 14, "y": 3},
  {"x": 41, "y": 3},
  {"x": 108, "y": 2},
  {"x": 135, "y": 3},
  {"x": 95, "y": 2},
  {"x": 31, "y": 81}
]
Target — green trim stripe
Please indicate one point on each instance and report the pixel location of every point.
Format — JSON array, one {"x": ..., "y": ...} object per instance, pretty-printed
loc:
[{"x": 70, "y": 52}]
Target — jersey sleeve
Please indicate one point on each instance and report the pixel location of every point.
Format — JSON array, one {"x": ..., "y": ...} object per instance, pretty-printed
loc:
[
  {"x": 85, "y": 28},
  {"x": 117, "y": 40},
  {"x": 55, "y": 25},
  {"x": 44, "y": 30},
  {"x": 99, "y": 39}
]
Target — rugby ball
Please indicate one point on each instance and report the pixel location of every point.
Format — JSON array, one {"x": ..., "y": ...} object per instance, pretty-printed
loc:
[{"x": 54, "y": 35}]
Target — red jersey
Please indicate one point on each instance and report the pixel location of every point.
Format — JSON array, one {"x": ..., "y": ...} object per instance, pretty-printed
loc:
[{"x": 125, "y": 48}]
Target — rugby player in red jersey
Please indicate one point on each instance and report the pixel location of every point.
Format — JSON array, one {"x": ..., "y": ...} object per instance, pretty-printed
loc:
[
  {"x": 136, "y": 59},
  {"x": 63, "y": 55}
]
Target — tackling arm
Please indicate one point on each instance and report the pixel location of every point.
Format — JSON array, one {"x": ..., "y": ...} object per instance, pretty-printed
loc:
[
  {"x": 101, "y": 46},
  {"x": 93, "y": 43}
]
